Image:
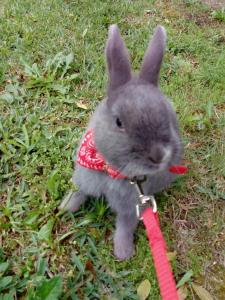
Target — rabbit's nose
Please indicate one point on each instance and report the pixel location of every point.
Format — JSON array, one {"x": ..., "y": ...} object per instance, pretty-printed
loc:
[{"x": 156, "y": 154}]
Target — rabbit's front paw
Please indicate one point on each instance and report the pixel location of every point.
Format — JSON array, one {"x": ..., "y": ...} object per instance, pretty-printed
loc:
[
  {"x": 73, "y": 201},
  {"x": 123, "y": 248}
]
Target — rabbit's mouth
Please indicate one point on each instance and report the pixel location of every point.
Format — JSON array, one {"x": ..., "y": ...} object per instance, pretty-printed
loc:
[
  {"x": 137, "y": 168},
  {"x": 146, "y": 165},
  {"x": 142, "y": 164}
]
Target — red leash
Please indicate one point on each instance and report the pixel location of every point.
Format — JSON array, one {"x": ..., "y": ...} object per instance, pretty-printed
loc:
[{"x": 158, "y": 249}]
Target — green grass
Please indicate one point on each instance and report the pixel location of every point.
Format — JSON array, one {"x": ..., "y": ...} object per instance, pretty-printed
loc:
[{"x": 52, "y": 75}]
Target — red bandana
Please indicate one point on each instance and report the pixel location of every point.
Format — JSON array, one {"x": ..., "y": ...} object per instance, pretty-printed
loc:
[{"x": 90, "y": 158}]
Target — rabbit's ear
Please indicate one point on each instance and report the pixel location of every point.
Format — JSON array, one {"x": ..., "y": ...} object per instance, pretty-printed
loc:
[
  {"x": 153, "y": 57},
  {"x": 117, "y": 59}
]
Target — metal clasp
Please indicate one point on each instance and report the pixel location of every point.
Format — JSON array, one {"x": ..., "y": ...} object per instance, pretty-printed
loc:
[{"x": 143, "y": 199}]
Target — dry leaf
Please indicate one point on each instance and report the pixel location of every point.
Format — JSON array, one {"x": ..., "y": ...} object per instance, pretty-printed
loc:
[
  {"x": 89, "y": 266},
  {"x": 182, "y": 293},
  {"x": 107, "y": 235},
  {"x": 144, "y": 289},
  {"x": 81, "y": 105},
  {"x": 202, "y": 293},
  {"x": 84, "y": 32},
  {"x": 171, "y": 255}
]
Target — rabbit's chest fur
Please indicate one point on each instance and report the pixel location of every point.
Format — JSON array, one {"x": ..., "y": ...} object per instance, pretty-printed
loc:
[{"x": 119, "y": 193}]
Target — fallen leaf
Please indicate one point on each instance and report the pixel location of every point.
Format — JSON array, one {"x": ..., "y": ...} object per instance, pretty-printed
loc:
[
  {"x": 107, "y": 235},
  {"x": 89, "y": 266},
  {"x": 202, "y": 293},
  {"x": 171, "y": 255},
  {"x": 182, "y": 293},
  {"x": 81, "y": 105},
  {"x": 84, "y": 32},
  {"x": 144, "y": 289}
]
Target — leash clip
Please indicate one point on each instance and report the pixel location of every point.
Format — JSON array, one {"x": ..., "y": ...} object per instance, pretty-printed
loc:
[
  {"x": 144, "y": 204},
  {"x": 143, "y": 199}
]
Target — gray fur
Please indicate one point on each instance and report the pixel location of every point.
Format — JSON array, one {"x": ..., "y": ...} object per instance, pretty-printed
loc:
[
  {"x": 153, "y": 56},
  {"x": 147, "y": 144},
  {"x": 117, "y": 59}
]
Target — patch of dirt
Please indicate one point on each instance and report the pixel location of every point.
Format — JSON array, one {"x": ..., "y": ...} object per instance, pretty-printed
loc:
[
  {"x": 214, "y": 3},
  {"x": 170, "y": 11},
  {"x": 205, "y": 237},
  {"x": 202, "y": 19},
  {"x": 137, "y": 20}
]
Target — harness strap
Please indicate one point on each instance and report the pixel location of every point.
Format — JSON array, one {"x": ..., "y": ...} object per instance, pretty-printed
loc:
[{"x": 158, "y": 249}]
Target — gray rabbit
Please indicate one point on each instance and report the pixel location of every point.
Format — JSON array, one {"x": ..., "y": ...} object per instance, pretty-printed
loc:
[{"x": 135, "y": 129}]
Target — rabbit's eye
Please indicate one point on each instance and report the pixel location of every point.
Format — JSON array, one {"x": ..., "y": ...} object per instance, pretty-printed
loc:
[{"x": 119, "y": 123}]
